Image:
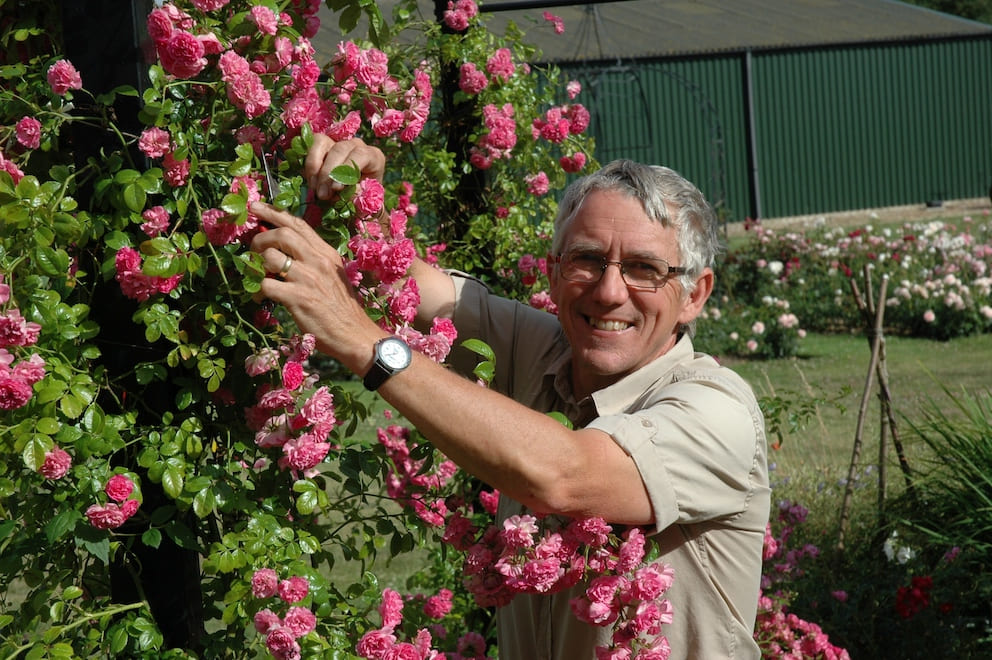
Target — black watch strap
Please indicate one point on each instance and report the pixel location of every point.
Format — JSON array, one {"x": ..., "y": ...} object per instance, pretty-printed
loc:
[{"x": 392, "y": 355}]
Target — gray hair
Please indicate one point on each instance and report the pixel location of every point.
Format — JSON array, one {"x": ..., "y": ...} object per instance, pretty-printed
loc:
[{"x": 660, "y": 190}]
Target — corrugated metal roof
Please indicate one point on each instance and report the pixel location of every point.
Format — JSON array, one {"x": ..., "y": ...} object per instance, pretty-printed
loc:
[{"x": 631, "y": 29}]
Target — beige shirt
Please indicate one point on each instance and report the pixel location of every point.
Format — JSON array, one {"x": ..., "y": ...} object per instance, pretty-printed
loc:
[{"x": 697, "y": 436}]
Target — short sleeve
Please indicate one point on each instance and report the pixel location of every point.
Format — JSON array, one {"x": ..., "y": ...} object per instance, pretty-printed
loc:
[{"x": 699, "y": 449}]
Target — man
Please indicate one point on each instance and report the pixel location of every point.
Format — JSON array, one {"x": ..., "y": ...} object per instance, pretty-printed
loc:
[{"x": 664, "y": 437}]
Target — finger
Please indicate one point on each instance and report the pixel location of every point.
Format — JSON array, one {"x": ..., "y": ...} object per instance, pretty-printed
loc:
[
  {"x": 370, "y": 161},
  {"x": 315, "y": 158}
]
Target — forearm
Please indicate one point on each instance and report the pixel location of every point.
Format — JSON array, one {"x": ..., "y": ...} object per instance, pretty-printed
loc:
[{"x": 525, "y": 454}]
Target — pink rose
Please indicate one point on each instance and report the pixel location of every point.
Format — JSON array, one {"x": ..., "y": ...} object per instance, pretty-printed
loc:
[
  {"x": 182, "y": 55},
  {"x": 391, "y": 608},
  {"x": 300, "y": 621},
  {"x": 28, "y": 131},
  {"x": 375, "y": 643},
  {"x": 266, "y": 621},
  {"x": 282, "y": 645},
  {"x": 110, "y": 516},
  {"x": 471, "y": 80},
  {"x": 293, "y": 375},
  {"x": 62, "y": 77},
  {"x": 500, "y": 65},
  {"x": 437, "y": 607},
  {"x": 369, "y": 197},
  {"x": 156, "y": 221},
  {"x": 294, "y": 589},
  {"x": 265, "y": 19},
  {"x": 176, "y": 171},
  {"x": 14, "y": 393},
  {"x": 119, "y": 487},
  {"x": 56, "y": 465},
  {"x": 11, "y": 168},
  {"x": 155, "y": 142},
  {"x": 209, "y": 5},
  {"x": 264, "y": 583},
  {"x": 537, "y": 184},
  {"x": 159, "y": 25},
  {"x": 303, "y": 453}
]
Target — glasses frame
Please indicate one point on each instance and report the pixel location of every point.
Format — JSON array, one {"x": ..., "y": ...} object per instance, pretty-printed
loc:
[{"x": 605, "y": 263}]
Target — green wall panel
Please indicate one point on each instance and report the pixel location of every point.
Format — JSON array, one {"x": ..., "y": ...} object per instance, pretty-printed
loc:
[{"x": 834, "y": 129}]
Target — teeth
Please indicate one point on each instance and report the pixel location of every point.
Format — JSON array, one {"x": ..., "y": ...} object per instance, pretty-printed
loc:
[{"x": 611, "y": 326}]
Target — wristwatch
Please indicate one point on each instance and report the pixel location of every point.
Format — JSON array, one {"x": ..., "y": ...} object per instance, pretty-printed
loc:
[{"x": 392, "y": 355}]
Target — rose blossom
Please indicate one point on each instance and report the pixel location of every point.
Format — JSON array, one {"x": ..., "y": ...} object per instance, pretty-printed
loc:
[
  {"x": 110, "y": 516},
  {"x": 156, "y": 221},
  {"x": 63, "y": 76},
  {"x": 294, "y": 589},
  {"x": 282, "y": 645},
  {"x": 300, "y": 621},
  {"x": 119, "y": 487},
  {"x": 182, "y": 55},
  {"x": 57, "y": 463},
  {"x": 266, "y": 621},
  {"x": 264, "y": 583},
  {"x": 375, "y": 643},
  {"x": 155, "y": 142},
  {"x": 28, "y": 131}
]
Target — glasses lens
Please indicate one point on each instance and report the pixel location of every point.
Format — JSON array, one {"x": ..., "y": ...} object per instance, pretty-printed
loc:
[
  {"x": 645, "y": 273},
  {"x": 581, "y": 267},
  {"x": 637, "y": 273}
]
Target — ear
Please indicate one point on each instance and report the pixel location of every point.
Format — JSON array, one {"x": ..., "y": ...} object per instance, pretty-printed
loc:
[{"x": 693, "y": 304}]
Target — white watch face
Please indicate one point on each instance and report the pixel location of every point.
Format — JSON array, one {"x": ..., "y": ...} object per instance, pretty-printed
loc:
[{"x": 394, "y": 354}]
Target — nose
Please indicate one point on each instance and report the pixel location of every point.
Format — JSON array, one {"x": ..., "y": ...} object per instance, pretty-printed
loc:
[{"x": 611, "y": 288}]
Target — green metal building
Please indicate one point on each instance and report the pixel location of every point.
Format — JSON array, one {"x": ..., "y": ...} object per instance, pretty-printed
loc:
[{"x": 782, "y": 107}]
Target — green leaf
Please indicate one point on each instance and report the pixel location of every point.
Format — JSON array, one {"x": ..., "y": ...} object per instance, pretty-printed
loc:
[
  {"x": 234, "y": 204},
  {"x": 63, "y": 522},
  {"x": 479, "y": 347},
  {"x": 172, "y": 481},
  {"x": 94, "y": 541},
  {"x": 71, "y": 406},
  {"x": 48, "y": 425},
  {"x": 306, "y": 503},
  {"x": 204, "y": 503},
  {"x": 485, "y": 371},
  {"x": 152, "y": 537},
  {"x": 71, "y": 592},
  {"x": 34, "y": 451},
  {"x": 348, "y": 175},
  {"x": 118, "y": 640}
]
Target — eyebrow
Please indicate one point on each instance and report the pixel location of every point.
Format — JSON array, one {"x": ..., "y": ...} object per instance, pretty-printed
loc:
[{"x": 598, "y": 249}]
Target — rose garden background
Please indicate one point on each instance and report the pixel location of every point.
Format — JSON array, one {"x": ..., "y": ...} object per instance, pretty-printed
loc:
[{"x": 182, "y": 477}]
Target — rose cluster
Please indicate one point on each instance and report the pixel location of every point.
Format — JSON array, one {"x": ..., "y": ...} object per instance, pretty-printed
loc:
[
  {"x": 282, "y": 632},
  {"x": 17, "y": 376},
  {"x": 385, "y": 642},
  {"x": 292, "y": 415},
  {"x": 115, "y": 513}
]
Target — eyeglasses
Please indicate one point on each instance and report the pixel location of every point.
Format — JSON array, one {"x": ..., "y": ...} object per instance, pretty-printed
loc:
[{"x": 637, "y": 272}]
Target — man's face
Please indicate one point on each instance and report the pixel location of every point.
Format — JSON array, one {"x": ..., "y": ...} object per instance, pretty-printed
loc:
[{"x": 613, "y": 329}]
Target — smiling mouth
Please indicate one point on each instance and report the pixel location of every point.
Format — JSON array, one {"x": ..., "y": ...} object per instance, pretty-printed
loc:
[{"x": 608, "y": 326}]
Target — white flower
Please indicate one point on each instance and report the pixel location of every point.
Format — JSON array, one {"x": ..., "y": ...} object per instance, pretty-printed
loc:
[{"x": 775, "y": 267}]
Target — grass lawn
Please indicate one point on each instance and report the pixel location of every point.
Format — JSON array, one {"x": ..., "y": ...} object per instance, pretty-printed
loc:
[{"x": 917, "y": 369}]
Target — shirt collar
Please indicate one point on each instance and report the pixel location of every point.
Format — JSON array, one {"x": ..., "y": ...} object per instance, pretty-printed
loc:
[
  {"x": 625, "y": 394},
  {"x": 621, "y": 395}
]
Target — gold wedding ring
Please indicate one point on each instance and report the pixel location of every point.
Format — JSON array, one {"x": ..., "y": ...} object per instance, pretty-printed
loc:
[{"x": 286, "y": 265}]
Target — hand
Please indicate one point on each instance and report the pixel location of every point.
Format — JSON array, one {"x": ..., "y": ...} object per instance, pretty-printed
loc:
[
  {"x": 312, "y": 285},
  {"x": 325, "y": 154}
]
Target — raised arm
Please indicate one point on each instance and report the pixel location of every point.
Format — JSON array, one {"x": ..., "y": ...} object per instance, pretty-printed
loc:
[
  {"x": 437, "y": 291},
  {"x": 525, "y": 454}
]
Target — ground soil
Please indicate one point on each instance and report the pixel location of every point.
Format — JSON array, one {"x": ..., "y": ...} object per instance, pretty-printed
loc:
[{"x": 977, "y": 208}]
